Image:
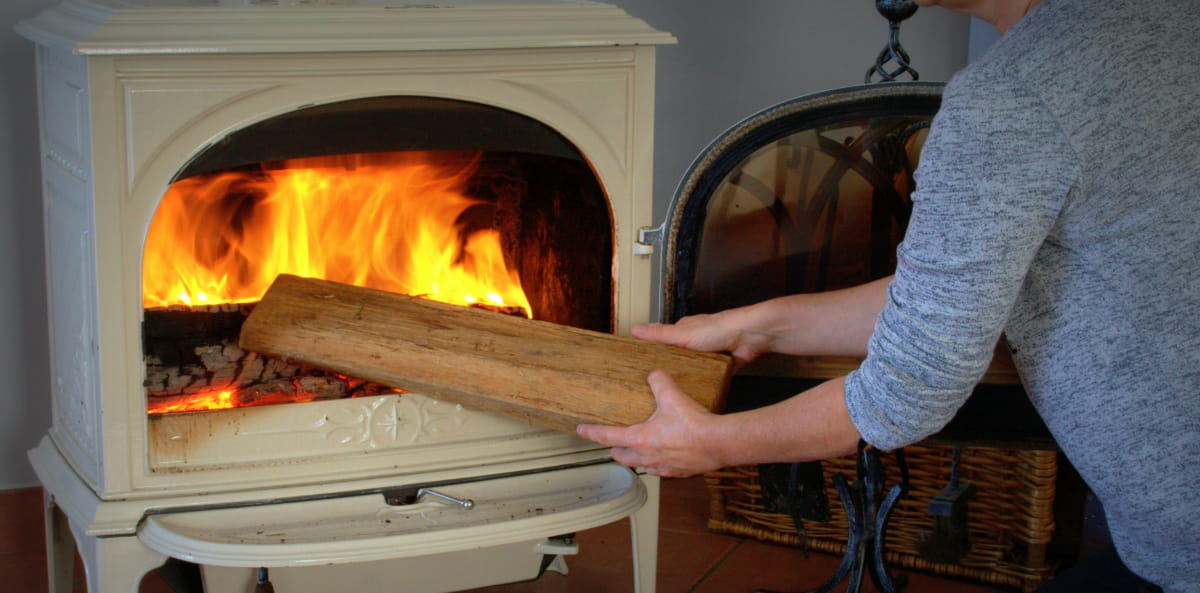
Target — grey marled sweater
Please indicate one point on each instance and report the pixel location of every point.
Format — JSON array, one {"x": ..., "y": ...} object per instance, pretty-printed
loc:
[{"x": 1058, "y": 201}]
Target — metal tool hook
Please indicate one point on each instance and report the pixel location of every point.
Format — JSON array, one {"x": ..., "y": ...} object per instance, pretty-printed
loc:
[{"x": 894, "y": 11}]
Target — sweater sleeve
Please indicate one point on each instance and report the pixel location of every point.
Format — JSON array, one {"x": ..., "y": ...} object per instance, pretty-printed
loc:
[{"x": 995, "y": 171}]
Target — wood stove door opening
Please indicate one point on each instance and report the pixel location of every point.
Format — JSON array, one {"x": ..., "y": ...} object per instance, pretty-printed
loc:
[{"x": 454, "y": 201}]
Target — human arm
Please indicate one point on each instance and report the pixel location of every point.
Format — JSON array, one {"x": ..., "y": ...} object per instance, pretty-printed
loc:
[
  {"x": 995, "y": 176},
  {"x": 833, "y": 323},
  {"x": 683, "y": 439}
]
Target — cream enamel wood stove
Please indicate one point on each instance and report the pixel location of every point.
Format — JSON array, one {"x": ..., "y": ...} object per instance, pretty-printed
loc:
[{"x": 131, "y": 92}]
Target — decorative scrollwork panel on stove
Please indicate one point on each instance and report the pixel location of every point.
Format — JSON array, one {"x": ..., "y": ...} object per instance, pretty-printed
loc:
[{"x": 405, "y": 423}]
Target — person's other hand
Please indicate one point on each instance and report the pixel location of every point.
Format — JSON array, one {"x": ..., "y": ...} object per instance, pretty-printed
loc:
[
  {"x": 700, "y": 332},
  {"x": 669, "y": 443}
]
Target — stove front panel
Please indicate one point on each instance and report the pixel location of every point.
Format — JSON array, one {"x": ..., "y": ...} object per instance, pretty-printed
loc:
[{"x": 134, "y": 120}]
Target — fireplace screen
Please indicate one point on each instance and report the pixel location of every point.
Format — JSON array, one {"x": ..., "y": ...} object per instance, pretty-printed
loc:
[
  {"x": 452, "y": 201},
  {"x": 809, "y": 195}
]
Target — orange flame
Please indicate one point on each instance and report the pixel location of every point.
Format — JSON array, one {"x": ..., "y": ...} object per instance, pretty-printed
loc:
[
  {"x": 389, "y": 221},
  {"x": 216, "y": 399}
]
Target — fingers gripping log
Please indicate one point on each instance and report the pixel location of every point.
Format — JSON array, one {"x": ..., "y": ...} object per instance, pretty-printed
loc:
[{"x": 542, "y": 373}]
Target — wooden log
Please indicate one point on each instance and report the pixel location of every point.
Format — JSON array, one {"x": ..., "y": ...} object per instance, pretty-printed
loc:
[{"x": 542, "y": 373}]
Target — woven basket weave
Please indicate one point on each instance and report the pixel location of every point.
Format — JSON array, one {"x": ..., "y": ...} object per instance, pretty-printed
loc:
[{"x": 1010, "y": 524}]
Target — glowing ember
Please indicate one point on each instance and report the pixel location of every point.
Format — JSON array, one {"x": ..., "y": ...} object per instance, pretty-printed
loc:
[
  {"x": 391, "y": 221},
  {"x": 217, "y": 399}
]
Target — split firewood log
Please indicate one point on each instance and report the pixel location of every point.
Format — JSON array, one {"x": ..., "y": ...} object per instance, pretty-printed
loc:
[{"x": 543, "y": 373}]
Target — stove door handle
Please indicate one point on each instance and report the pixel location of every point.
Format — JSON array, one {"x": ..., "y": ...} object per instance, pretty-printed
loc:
[{"x": 407, "y": 496}]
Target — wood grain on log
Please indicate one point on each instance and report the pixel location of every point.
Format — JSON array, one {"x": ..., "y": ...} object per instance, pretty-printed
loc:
[{"x": 543, "y": 373}]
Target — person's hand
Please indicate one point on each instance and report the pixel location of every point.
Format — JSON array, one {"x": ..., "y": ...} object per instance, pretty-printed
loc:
[
  {"x": 667, "y": 444},
  {"x": 701, "y": 332}
]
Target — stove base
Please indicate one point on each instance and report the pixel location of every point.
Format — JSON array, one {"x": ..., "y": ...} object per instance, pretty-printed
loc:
[
  {"x": 445, "y": 572},
  {"x": 117, "y": 557}
]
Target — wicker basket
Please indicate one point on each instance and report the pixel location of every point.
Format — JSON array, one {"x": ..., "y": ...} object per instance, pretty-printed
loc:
[{"x": 1011, "y": 516}]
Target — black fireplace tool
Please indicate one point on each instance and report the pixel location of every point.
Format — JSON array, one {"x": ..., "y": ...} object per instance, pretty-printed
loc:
[
  {"x": 950, "y": 540},
  {"x": 796, "y": 490},
  {"x": 867, "y": 510},
  {"x": 264, "y": 582},
  {"x": 867, "y": 507}
]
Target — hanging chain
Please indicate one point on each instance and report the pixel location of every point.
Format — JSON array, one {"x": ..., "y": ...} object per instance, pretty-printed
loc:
[{"x": 894, "y": 11}]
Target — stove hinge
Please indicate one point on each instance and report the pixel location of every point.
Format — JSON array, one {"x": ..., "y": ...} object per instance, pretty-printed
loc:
[{"x": 647, "y": 239}]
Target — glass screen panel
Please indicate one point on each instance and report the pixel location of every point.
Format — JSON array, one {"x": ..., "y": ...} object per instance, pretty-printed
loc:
[{"x": 818, "y": 209}]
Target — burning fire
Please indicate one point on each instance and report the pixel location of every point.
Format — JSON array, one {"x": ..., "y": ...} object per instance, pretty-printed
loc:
[
  {"x": 216, "y": 399},
  {"x": 391, "y": 221}
]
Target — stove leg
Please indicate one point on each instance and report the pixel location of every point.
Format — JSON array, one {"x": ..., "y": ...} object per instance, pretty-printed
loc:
[
  {"x": 116, "y": 564},
  {"x": 110, "y": 564},
  {"x": 60, "y": 548},
  {"x": 643, "y": 527}
]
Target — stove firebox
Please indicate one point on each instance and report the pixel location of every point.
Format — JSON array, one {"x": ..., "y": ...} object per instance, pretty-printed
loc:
[{"x": 453, "y": 201}]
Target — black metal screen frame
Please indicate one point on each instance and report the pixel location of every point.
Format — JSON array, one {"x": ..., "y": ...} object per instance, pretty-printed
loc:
[{"x": 686, "y": 216}]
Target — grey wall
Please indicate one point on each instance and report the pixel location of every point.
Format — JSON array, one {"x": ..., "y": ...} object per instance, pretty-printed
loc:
[
  {"x": 733, "y": 59},
  {"x": 24, "y": 368},
  {"x": 982, "y": 36}
]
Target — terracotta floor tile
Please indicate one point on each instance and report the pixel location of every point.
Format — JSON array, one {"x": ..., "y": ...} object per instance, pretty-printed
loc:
[
  {"x": 152, "y": 583},
  {"x": 687, "y": 549},
  {"x": 23, "y": 572},
  {"x": 754, "y": 566},
  {"x": 21, "y": 521},
  {"x": 684, "y": 505},
  {"x": 685, "y": 559}
]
